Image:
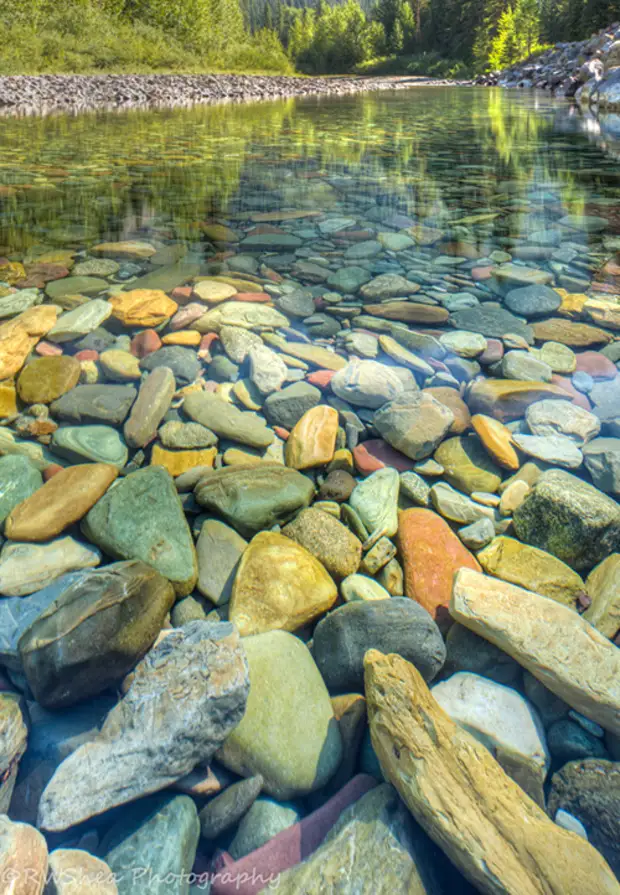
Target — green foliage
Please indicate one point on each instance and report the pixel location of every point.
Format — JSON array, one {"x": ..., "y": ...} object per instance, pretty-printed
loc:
[
  {"x": 333, "y": 38},
  {"x": 429, "y": 65}
]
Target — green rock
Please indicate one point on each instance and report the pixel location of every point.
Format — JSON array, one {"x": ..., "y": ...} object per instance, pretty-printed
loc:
[
  {"x": 569, "y": 518},
  {"x": 94, "y": 632},
  {"x": 228, "y": 421},
  {"x": 58, "y": 289},
  {"x": 265, "y": 819},
  {"x": 348, "y": 279},
  {"x": 141, "y": 517},
  {"x": 101, "y": 444},
  {"x": 467, "y": 465},
  {"x": 219, "y": 550},
  {"x": 255, "y": 498},
  {"x": 19, "y": 478},
  {"x": 81, "y": 321},
  {"x": 151, "y": 850},
  {"x": 165, "y": 278},
  {"x": 288, "y": 734}
]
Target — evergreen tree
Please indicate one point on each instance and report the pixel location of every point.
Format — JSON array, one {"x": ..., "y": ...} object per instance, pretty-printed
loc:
[{"x": 527, "y": 24}]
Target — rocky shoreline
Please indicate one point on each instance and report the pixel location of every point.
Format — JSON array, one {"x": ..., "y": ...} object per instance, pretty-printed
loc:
[
  {"x": 587, "y": 70},
  {"x": 45, "y": 93}
]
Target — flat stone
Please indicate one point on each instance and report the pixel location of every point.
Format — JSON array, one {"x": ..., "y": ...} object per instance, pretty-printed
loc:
[
  {"x": 45, "y": 379},
  {"x": 249, "y": 315},
  {"x": 289, "y": 705},
  {"x": 179, "y": 462},
  {"x": 271, "y": 242},
  {"x": 312, "y": 441},
  {"x": 22, "y": 848},
  {"x": 517, "y": 274},
  {"x": 96, "y": 267},
  {"x": 76, "y": 872},
  {"x": 550, "y": 417},
  {"x": 559, "y": 357},
  {"x": 602, "y": 460},
  {"x": 213, "y": 291},
  {"x": 532, "y": 569},
  {"x": 95, "y": 404},
  {"x": 94, "y": 632},
  {"x": 603, "y": 588},
  {"x": 464, "y": 344},
  {"x": 467, "y": 466},
  {"x": 153, "y": 401},
  {"x": 99, "y": 444},
  {"x": 62, "y": 501},
  {"x": 320, "y": 357},
  {"x": 225, "y": 810},
  {"x": 503, "y": 721},
  {"x": 227, "y": 421},
  {"x": 388, "y": 285},
  {"x": 264, "y": 820},
  {"x": 404, "y": 357},
  {"x": 456, "y": 507},
  {"x": 13, "y": 738},
  {"x": 431, "y": 553},
  {"x": 136, "y": 248},
  {"x": 182, "y": 361},
  {"x": 268, "y": 371},
  {"x": 142, "y": 307},
  {"x": 186, "y": 436},
  {"x": 26, "y": 568},
  {"x": 167, "y": 277},
  {"x": 397, "y": 625},
  {"x": 361, "y": 588},
  {"x": 219, "y": 549},
  {"x": 574, "y": 521},
  {"x": 488, "y": 827},
  {"x": 414, "y": 424},
  {"x": 153, "y": 847},
  {"x": 492, "y": 321},
  {"x": 57, "y": 290},
  {"x": 524, "y": 367},
  {"x": 348, "y": 279},
  {"x": 142, "y": 518},
  {"x": 184, "y": 699},
  {"x": 81, "y": 321},
  {"x": 255, "y": 498},
  {"x": 408, "y": 312},
  {"x": 554, "y": 449},
  {"x": 279, "y": 585},
  {"x": 575, "y": 335},
  {"x": 328, "y": 540},
  {"x": 533, "y": 301},
  {"x": 19, "y": 479},
  {"x": 375, "y": 500},
  {"x": 497, "y": 440},
  {"x": 578, "y": 664},
  {"x": 367, "y": 383},
  {"x": 17, "y": 302},
  {"x": 286, "y": 407},
  {"x": 587, "y": 223},
  {"x": 507, "y": 399},
  {"x": 20, "y": 335}
]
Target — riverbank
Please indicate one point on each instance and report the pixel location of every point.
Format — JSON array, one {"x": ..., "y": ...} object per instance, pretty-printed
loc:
[{"x": 46, "y": 93}]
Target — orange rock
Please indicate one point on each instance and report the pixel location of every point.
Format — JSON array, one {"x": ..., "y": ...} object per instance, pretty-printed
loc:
[
  {"x": 431, "y": 554},
  {"x": 450, "y": 398},
  {"x": 63, "y": 500},
  {"x": 497, "y": 440},
  {"x": 178, "y": 462},
  {"x": 508, "y": 399},
  {"x": 8, "y": 400},
  {"x": 19, "y": 336},
  {"x": 142, "y": 307},
  {"x": 575, "y": 335},
  {"x": 320, "y": 378},
  {"x": 572, "y": 303},
  {"x": 312, "y": 441},
  {"x": 182, "y": 337},
  {"x": 377, "y": 454},
  {"x": 408, "y": 312},
  {"x": 145, "y": 343}
]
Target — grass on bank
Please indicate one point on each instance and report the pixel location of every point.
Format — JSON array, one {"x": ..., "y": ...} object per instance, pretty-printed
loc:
[
  {"x": 80, "y": 38},
  {"x": 429, "y": 65}
]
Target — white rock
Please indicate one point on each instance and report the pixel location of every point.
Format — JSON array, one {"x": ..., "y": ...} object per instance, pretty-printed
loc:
[
  {"x": 551, "y": 417},
  {"x": 375, "y": 500},
  {"x": 81, "y": 321},
  {"x": 555, "y": 449},
  {"x": 360, "y": 587},
  {"x": 464, "y": 344},
  {"x": 26, "y": 568},
  {"x": 267, "y": 369},
  {"x": 367, "y": 383}
]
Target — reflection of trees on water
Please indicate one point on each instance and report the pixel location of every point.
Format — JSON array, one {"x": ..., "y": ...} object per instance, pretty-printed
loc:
[{"x": 432, "y": 153}]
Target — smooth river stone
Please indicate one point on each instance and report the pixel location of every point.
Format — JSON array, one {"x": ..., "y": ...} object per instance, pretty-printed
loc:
[
  {"x": 228, "y": 421},
  {"x": 94, "y": 632},
  {"x": 508, "y": 399},
  {"x": 142, "y": 307},
  {"x": 289, "y": 706},
  {"x": 135, "y": 248},
  {"x": 484, "y": 822},
  {"x": 414, "y": 424},
  {"x": 533, "y": 301},
  {"x": 255, "y": 498},
  {"x": 95, "y": 404},
  {"x": 19, "y": 478},
  {"x": 76, "y": 872},
  {"x": 431, "y": 553},
  {"x": 556, "y": 450},
  {"x": 578, "y": 664},
  {"x": 492, "y": 321},
  {"x": 279, "y": 585},
  {"x": 313, "y": 439},
  {"x": 184, "y": 699},
  {"x": 81, "y": 321},
  {"x": 100, "y": 444},
  {"x": 467, "y": 466},
  {"x": 388, "y": 285},
  {"x": 249, "y": 315},
  {"x": 375, "y": 500},
  {"x": 26, "y": 568},
  {"x": 219, "y": 550},
  {"x": 575, "y": 335},
  {"x": 142, "y": 518},
  {"x": 367, "y": 383},
  {"x": 62, "y": 501},
  {"x": 151, "y": 849},
  {"x": 153, "y": 401},
  {"x": 13, "y": 737},
  {"x": 408, "y": 312},
  {"x": 551, "y": 417},
  {"x": 20, "y": 335},
  {"x": 496, "y": 440},
  {"x": 45, "y": 379},
  {"x": 23, "y": 858},
  {"x": 603, "y": 588},
  {"x": 59, "y": 289}
]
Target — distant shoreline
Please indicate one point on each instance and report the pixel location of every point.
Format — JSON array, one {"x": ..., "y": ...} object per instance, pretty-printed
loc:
[{"x": 41, "y": 94}]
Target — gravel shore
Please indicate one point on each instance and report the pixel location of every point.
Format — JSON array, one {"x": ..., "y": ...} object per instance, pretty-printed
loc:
[{"x": 45, "y": 93}]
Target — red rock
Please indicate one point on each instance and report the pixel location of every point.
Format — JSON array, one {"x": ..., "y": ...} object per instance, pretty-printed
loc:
[
  {"x": 451, "y": 399},
  {"x": 272, "y": 275},
  {"x": 260, "y": 297},
  {"x": 481, "y": 273},
  {"x": 46, "y": 349},
  {"x": 51, "y": 470},
  {"x": 596, "y": 364},
  {"x": 493, "y": 353},
  {"x": 320, "y": 378},
  {"x": 437, "y": 365},
  {"x": 608, "y": 288},
  {"x": 145, "y": 343},
  {"x": 207, "y": 340},
  {"x": 181, "y": 294},
  {"x": 187, "y": 315},
  {"x": 40, "y": 274},
  {"x": 377, "y": 454},
  {"x": 578, "y": 398},
  {"x": 431, "y": 553},
  {"x": 261, "y": 229},
  {"x": 87, "y": 354},
  {"x": 254, "y": 872},
  {"x": 281, "y": 432}
]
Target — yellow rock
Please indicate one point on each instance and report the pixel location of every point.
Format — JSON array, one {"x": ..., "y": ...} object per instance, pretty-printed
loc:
[
  {"x": 497, "y": 440},
  {"x": 219, "y": 233},
  {"x": 8, "y": 400},
  {"x": 120, "y": 366},
  {"x": 213, "y": 291},
  {"x": 142, "y": 307},
  {"x": 508, "y": 399},
  {"x": 513, "y": 496},
  {"x": 240, "y": 284},
  {"x": 313, "y": 439},
  {"x": 19, "y": 336},
  {"x": 237, "y": 457},
  {"x": 182, "y": 337},
  {"x": 603, "y": 588},
  {"x": 127, "y": 249},
  {"x": 572, "y": 303},
  {"x": 12, "y": 272},
  {"x": 487, "y": 826},
  {"x": 178, "y": 462},
  {"x": 604, "y": 311},
  {"x": 343, "y": 459},
  {"x": 279, "y": 586},
  {"x": 60, "y": 256},
  {"x": 246, "y": 392}
]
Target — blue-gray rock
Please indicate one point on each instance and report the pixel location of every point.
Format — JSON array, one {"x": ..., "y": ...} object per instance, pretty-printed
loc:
[
  {"x": 226, "y": 809},
  {"x": 182, "y": 361},
  {"x": 95, "y": 404},
  {"x": 19, "y": 478},
  {"x": 533, "y": 301},
  {"x": 264, "y": 820},
  {"x": 286, "y": 407}
]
